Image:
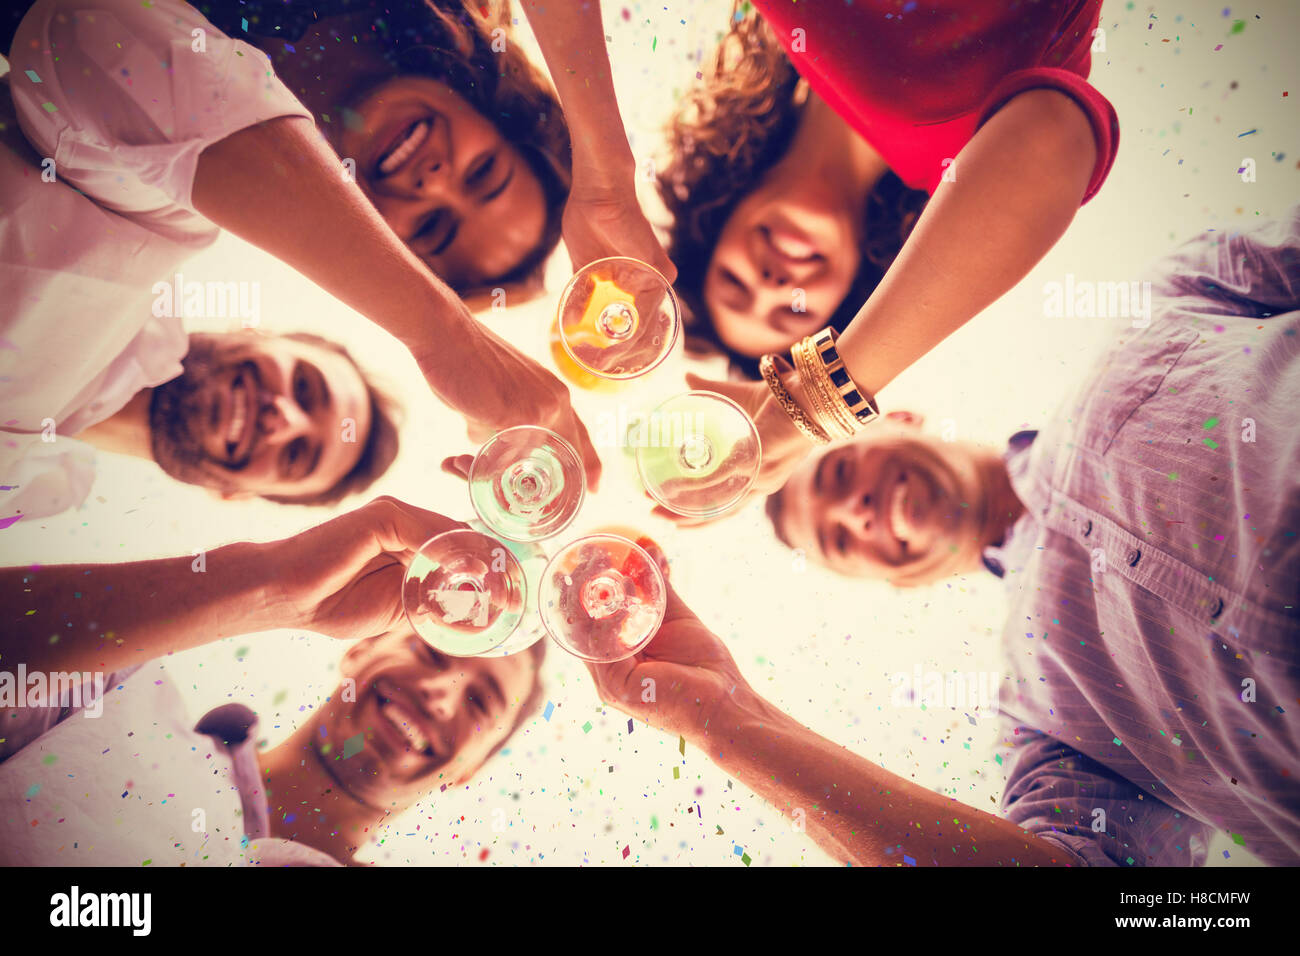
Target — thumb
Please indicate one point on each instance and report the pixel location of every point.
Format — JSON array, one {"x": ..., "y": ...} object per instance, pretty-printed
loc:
[
  {"x": 458, "y": 466},
  {"x": 399, "y": 527}
]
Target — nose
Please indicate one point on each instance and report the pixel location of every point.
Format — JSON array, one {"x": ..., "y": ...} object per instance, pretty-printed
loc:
[
  {"x": 281, "y": 420},
  {"x": 412, "y": 197},
  {"x": 442, "y": 693},
  {"x": 431, "y": 181},
  {"x": 776, "y": 270},
  {"x": 856, "y": 512}
]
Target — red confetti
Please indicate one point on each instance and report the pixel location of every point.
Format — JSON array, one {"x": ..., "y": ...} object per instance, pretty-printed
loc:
[{"x": 627, "y": 851}]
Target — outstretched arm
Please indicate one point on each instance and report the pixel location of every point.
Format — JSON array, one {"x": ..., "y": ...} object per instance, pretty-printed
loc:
[
  {"x": 342, "y": 578},
  {"x": 602, "y": 217},
  {"x": 857, "y": 811},
  {"x": 1017, "y": 185}
]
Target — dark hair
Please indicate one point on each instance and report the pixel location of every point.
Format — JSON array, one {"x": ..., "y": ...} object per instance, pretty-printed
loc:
[
  {"x": 727, "y": 132},
  {"x": 381, "y": 443},
  {"x": 451, "y": 41}
]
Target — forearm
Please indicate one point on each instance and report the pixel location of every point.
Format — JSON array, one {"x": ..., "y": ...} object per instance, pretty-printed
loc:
[
  {"x": 104, "y": 617},
  {"x": 572, "y": 37},
  {"x": 1017, "y": 186},
  {"x": 280, "y": 186},
  {"x": 852, "y": 808}
]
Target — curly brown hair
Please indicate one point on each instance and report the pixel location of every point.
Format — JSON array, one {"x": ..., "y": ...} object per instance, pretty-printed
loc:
[
  {"x": 458, "y": 43},
  {"x": 728, "y": 131}
]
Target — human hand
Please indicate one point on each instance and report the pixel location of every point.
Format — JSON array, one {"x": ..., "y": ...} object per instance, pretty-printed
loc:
[
  {"x": 678, "y": 681},
  {"x": 495, "y": 387},
  {"x": 603, "y": 220},
  {"x": 344, "y": 578}
]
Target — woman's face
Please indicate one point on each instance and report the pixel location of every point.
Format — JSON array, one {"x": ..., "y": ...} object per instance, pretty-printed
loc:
[
  {"x": 784, "y": 262},
  {"x": 457, "y": 193}
]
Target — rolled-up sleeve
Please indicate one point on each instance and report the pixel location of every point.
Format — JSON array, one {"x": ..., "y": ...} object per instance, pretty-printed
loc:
[
  {"x": 1101, "y": 114},
  {"x": 1096, "y": 816},
  {"x": 124, "y": 97}
]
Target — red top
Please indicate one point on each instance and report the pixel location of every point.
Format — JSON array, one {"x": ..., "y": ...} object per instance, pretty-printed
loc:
[{"x": 917, "y": 79}]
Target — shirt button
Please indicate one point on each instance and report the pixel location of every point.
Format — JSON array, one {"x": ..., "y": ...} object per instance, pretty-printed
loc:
[
  {"x": 1087, "y": 529},
  {"x": 1133, "y": 557}
]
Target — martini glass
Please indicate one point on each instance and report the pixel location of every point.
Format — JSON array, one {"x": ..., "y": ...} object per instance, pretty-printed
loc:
[
  {"x": 526, "y": 483},
  {"x": 617, "y": 318},
  {"x": 602, "y": 598},
  {"x": 529, "y": 630},
  {"x": 698, "y": 454},
  {"x": 465, "y": 593}
]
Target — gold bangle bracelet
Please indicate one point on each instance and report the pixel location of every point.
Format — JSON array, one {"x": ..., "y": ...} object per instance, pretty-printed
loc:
[
  {"x": 817, "y": 385},
  {"x": 861, "y": 406},
  {"x": 808, "y": 428}
]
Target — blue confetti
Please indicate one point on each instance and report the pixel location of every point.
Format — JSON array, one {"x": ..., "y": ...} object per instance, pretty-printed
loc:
[{"x": 550, "y": 709}]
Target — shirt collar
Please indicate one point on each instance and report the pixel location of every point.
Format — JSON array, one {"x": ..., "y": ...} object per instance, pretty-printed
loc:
[{"x": 1016, "y": 458}]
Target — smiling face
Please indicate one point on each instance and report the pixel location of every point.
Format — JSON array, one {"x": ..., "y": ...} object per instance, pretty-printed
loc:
[
  {"x": 458, "y": 194},
  {"x": 897, "y": 505},
  {"x": 260, "y": 414},
  {"x": 427, "y": 719},
  {"x": 791, "y": 243}
]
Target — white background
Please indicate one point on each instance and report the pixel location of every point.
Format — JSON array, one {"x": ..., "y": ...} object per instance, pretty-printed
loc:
[{"x": 820, "y": 647}]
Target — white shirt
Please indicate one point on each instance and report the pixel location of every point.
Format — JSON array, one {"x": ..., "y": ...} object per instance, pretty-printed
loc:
[
  {"x": 123, "y": 98},
  {"x": 136, "y": 783}
]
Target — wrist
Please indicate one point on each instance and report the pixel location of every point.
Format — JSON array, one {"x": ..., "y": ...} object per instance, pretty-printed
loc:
[
  {"x": 442, "y": 332},
  {"x": 260, "y": 591},
  {"x": 734, "y": 714},
  {"x": 604, "y": 171}
]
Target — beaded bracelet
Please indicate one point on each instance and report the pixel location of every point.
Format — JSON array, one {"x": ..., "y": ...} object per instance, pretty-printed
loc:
[{"x": 810, "y": 430}]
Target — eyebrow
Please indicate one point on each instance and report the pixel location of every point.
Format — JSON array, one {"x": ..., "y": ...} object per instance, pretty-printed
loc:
[
  {"x": 315, "y": 460},
  {"x": 326, "y": 399},
  {"x": 734, "y": 290},
  {"x": 819, "y": 477},
  {"x": 782, "y": 317}
]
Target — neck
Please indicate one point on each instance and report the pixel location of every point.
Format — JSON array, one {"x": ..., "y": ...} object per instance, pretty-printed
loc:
[
  {"x": 1003, "y": 507},
  {"x": 325, "y": 816},
  {"x": 825, "y": 146},
  {"x": 128, "y": 432}
]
